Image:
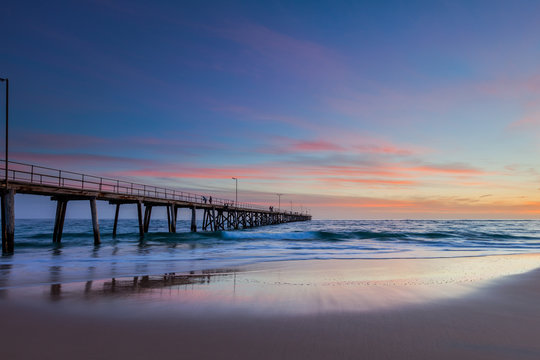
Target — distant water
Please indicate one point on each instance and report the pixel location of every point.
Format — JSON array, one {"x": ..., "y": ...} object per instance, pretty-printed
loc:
[{"x": 38, "y": 261}]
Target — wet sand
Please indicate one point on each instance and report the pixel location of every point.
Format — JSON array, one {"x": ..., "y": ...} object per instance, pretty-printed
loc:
[{"x": 470, "y": 308}]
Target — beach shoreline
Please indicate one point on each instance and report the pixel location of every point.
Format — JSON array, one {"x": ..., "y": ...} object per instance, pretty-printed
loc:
[{"x": 317, "y": 309}]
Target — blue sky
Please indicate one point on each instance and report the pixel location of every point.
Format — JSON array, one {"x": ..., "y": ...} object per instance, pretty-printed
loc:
[{"x": 394, "y": 109}]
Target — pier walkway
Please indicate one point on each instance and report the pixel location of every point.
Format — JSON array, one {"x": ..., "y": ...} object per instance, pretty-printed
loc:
[{"x": 64, "y": 186}]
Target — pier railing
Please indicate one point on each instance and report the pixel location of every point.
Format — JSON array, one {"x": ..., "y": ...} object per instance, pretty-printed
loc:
[{"x": 40, "y": 175}]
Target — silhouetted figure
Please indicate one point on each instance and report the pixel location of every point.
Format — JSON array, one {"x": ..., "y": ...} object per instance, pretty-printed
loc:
[
  {"x": 210, "y": 199},
  {"x": 204, "y": 199}
]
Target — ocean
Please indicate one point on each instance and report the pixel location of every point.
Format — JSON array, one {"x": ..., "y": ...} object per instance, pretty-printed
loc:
[{"x": 37, "y": 261}]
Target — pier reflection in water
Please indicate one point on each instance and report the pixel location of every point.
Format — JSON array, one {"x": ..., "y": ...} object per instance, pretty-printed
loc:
[
  {"x": 140, "y": 285},
  {"x": 5, "y": 270}
]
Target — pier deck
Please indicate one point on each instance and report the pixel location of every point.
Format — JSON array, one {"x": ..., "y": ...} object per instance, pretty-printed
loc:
[{"x": 64, "y": 186}]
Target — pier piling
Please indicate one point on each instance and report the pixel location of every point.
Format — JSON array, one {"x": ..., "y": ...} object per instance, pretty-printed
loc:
[
  {"x": 147, "y": 215},
  {"x": 169, "y": 223},
  {"x": 61, "y": 205},
  {"x": 95, "y": 224},
  {"x": 175, "y": 216},
  {"x": 116, "y": 219},
  {"x": 193, "y": 219},
  {"x": 171, "y": 217},
  {"x": 8, "y": 221},
  {"x": 140, "y": 218}
]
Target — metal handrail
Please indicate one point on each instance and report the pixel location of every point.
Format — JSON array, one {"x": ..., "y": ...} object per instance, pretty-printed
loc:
[{"x": 35, "y": 174}]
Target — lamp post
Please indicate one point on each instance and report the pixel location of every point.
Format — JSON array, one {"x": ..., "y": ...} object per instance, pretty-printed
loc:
[
  {"x": 279, "y": 201},
  {"x": 236, "y": 199},
  {"x": 7, "y": 125}
]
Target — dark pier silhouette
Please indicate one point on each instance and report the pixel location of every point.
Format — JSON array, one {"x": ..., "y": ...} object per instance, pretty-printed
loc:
[{"x": 65, "y": 186}]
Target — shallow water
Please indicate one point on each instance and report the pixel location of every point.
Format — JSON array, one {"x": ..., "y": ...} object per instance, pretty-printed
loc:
[{"x": 38, "y": 261}]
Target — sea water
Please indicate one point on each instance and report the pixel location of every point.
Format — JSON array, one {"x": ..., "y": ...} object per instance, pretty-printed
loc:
[{"x": 38, "y": 261}]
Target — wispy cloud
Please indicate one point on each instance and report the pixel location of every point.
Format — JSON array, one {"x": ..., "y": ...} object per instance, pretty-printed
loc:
[
  {"x": 70, "y": 142},
  {"x": 251, "y": 114},
  {"x": 79, "y": 161},
  {"x": 315, "y": 145},
  {"x": 347, "y": 143},
  {"x": 285, "y": 52},
  {"x": 529, "y": 122}
]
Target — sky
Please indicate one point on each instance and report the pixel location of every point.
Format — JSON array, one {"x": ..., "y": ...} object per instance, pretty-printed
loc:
[{"x": 354, "y": 110}]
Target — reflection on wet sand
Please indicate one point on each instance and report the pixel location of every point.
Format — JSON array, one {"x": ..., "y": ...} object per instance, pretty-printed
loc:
[
  {"x": 56, "y": 291},
  {"x": 5, "y": 270},
  {"x": 140, "y": 284}
]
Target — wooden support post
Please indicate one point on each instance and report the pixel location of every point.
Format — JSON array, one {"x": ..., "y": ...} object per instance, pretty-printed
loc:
[
  {"x": 116, "y": 219},
  {"x": 169, "y": 223},
  {"x": 147, "y": 215},
  {"x": 148, "y": 219},
  {"x": 193, "y": 219},
  {"x": 244, "y": 224},
  {"x": 3, "y": 211},
  {"x": 208, "y": 219},
  {"x": 95, "y": 224},
  {"x": 139, "y": 215},
  {"x": 213, "y": 221},
  {"x": 61, "y": 206},
  {"x": 56, "y": 219},
  {"x": 62, "y": 218},
  {"x": 219, "y": 220},
  {"x": 8, "y": 221},
  {"x": 205, "y": 215},
  {"x": 175, "y": 211},
  {"x": 171, "y": 217}
]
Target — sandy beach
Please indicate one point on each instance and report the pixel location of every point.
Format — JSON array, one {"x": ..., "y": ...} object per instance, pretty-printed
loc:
[{"x": 470, "y": 308}]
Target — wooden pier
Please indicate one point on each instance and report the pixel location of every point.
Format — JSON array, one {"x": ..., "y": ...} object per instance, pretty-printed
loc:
[{"x": 65, "y": 186}]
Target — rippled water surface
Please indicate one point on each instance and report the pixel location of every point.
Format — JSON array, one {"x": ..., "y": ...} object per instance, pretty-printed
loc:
[{"x": 38, "y": 261}]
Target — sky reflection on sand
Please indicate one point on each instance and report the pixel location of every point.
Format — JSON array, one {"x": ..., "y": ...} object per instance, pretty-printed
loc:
[{"x": 301, "y": 287}]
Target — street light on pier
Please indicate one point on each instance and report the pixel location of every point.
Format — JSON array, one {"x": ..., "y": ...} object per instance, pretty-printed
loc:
[
  {"x": 279, "y": 201},
  {"x": 7, "y": 125},
  {"x": 236, "y": 198}
]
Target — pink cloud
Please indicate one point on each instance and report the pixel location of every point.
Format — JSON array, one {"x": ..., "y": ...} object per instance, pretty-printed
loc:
[
  {"x": 384, "y": 149},
  {"x": 369, "y": 181},
  {"x": 316, "y": 145},
  {"x": 527, "y": 122},
  {"x": 347, "y": 144},
  {"x": 454, "y": 169}
]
